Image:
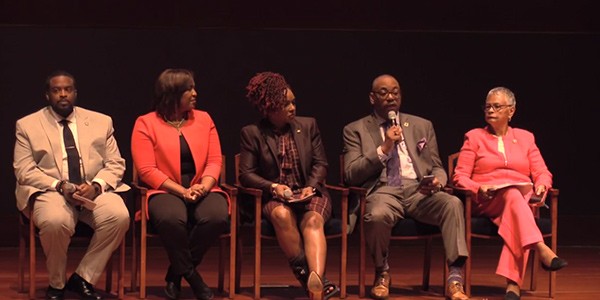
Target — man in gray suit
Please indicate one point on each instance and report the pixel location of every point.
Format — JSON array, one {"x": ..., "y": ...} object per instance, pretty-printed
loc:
[
  {"x": 63, "y": 153},
  {"x": 390, "y": 153}
]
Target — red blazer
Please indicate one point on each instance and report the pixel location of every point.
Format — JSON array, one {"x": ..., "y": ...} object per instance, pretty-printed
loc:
[
  {"x": 155, "y": 149},
  {"x": 480, "y": 162}
]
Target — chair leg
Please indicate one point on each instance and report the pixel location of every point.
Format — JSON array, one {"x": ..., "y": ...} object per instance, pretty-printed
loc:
[
  {"x": 143, "y": 265},
  {"x": 427, "y": 265},
  {"x": 121, "y": 274},
  {"x": 535, "y": 258},
  {"x": 221, "y": 274},
  {"x": 109, "y": 269},
  {"x": 134, "y": 257},
  {"x": 257, "y": 260},
  {"x": 468, "y": 271},
  {"x": 238, "y": 265},
  {"x": 361, "y": 262},
  {"x": 32, "y": 258},
  {"x": 21, "y": 270},
  {"x": 343, "y": 265},
  {"x": 233, "y": 258}
]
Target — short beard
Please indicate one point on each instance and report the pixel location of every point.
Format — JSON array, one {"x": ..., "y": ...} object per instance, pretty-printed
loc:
[{"x": 63, "y": 112}]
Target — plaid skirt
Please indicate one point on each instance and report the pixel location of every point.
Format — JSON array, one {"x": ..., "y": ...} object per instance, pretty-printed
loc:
[{"x": 318, "y": 204}]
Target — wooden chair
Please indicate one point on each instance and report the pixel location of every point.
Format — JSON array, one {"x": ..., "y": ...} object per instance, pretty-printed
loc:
[
  {"x": 405, "y": 229},
  {"x": 145, "y": 232},
  {"x": 28, "y": 231},
  {"x": 484, "y": 228},
  {"x": 335, "y": 227}
]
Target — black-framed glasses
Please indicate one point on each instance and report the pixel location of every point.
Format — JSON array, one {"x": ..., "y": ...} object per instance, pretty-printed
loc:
[
  {"x": 383, "y": 93},
  {"x": 495, "y": 107}
]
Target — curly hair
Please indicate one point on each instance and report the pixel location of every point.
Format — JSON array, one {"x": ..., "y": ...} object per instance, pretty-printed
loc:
[
  {"x": 169, "y": 87},
  {"x": 267, "y": 92}
]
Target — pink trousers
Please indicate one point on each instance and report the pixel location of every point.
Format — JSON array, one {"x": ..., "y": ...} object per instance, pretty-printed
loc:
[{"x": 516, "y": 225}]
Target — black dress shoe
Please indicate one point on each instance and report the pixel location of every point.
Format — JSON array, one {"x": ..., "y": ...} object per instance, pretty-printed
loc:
[
  {"x": 83, "y": 288},
  {"x": 173, "y": 287},
  {"x": 556, "y": 264},
  {"x": 173, "y": 290},
  {"x": 200, "y": 289},
  {"x": 55, "y": 294}
]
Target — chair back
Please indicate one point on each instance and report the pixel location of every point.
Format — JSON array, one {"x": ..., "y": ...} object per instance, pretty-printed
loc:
[{"x": 452, "y": 160}]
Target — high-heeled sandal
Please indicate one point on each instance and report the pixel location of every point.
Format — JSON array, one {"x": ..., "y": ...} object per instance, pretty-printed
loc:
[
  {"x": 329, "y": 288},
  {"x": 314, "y": 286}
]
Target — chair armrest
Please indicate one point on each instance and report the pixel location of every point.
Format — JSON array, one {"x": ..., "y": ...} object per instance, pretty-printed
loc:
[
  {"x": 142, "y": 190},
  {"x": 249, "y": 191},
  {"x": 229, "y": 189}
]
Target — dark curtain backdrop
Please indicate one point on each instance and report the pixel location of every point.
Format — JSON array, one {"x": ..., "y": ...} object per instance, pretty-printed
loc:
[{"x": 444, "y": 77}]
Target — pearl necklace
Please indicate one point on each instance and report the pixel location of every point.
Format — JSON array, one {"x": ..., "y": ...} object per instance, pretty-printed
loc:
[{"x": 176, "y": 124}]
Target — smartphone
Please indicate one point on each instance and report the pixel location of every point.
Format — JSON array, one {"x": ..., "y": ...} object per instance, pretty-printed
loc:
[{"x": 427, "y": 180}]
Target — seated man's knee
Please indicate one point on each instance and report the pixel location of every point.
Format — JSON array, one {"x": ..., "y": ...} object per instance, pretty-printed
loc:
[
  {"x": 57, "y": 225},
  {"x": 379, "y": 215}
]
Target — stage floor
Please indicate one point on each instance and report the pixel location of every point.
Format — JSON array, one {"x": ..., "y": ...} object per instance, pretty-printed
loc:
[{"x": 579, "y": 281}]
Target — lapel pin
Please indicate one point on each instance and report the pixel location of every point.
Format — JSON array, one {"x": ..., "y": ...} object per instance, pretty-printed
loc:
[
  {"x": 405, "y": 124},
  {"x": 297, "y": 130}
]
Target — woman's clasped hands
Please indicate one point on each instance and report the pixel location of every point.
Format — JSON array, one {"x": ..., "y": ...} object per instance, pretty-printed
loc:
[{"x": 195, "y": 192}]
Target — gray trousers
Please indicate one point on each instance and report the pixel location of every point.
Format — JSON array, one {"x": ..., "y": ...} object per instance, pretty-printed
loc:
[{"x": 386, "y": 205}]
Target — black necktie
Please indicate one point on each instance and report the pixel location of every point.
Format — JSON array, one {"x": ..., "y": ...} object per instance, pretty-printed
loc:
[{"x": 72, "y": 154}]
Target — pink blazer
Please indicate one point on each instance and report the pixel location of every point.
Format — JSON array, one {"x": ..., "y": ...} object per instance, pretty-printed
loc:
[
  {"x": 155, "y": 149},
  {"x": 480, "y": 162}
]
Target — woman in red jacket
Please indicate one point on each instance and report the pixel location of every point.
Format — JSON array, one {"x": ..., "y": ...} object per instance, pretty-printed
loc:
[
  {"x": 177, "y": 153},
  {"x": 500, "y": 154}
]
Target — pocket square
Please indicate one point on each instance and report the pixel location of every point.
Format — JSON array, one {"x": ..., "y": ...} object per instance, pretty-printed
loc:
[{"x": 421, "y": 144}]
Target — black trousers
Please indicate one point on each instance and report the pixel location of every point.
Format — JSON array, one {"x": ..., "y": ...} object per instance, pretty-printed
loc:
[{"x": 187, "y": 230}]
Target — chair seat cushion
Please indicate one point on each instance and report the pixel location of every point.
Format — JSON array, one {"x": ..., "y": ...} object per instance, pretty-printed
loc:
[{"x": 411, "y": 227}]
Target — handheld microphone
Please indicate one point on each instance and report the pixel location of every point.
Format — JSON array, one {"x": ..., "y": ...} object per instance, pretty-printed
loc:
[
  {"x": 69, "y": 188},
  {"x": 392, "y": 117}
]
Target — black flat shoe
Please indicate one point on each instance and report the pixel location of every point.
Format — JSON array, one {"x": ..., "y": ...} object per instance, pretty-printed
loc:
[
  {"x": 556, "y": 264},
  {"x": 510, "y": 295},
  {"x": 55, "y": 294}
]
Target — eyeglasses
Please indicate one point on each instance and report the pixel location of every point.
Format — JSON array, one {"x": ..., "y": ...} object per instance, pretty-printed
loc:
[
  {"x": 495, "y": 107},
  {"x": 385, "y": 93}
]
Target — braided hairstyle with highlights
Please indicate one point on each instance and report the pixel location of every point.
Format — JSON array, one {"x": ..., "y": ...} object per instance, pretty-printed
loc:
[{"x": 267, "y": 92}]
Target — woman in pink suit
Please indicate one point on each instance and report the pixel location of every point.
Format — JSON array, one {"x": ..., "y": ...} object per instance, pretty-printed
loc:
[
  {"x": 499, "y": 154},
  {"x": 177, "y": 153}
]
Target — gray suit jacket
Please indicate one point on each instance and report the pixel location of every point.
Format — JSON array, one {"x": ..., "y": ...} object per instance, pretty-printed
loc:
[
  {"x": 38, "y": 154},
  {"x": 362, "y": 166}
]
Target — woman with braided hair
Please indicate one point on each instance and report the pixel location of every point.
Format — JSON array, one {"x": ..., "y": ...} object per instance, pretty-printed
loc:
[{"x": 283, "y": 155}]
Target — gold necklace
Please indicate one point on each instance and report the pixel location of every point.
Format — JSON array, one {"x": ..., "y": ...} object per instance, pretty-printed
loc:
[{"x": 177, "y": 125}]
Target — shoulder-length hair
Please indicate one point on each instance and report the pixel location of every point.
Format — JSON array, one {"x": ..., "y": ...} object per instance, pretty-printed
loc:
[{"x": 169, "y": 87}]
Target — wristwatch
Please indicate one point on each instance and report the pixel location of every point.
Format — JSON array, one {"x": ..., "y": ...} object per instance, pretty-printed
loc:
[{"x": 97, "y": 188}]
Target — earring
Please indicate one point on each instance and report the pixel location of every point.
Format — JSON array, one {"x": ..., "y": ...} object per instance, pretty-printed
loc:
[{"x": 509, "y": 119}]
